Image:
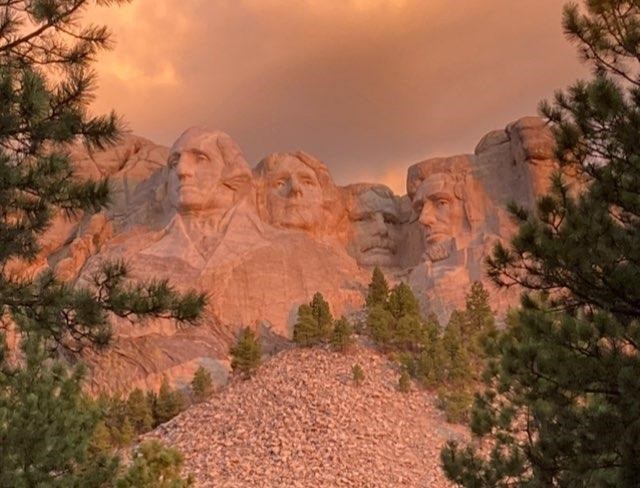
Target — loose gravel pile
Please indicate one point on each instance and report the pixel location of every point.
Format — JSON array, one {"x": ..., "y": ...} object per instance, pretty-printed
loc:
[{"x": 302, "y": 422}]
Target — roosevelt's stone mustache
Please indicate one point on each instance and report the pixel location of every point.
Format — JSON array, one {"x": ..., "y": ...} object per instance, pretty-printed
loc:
[{"x": 379, "y": 243}]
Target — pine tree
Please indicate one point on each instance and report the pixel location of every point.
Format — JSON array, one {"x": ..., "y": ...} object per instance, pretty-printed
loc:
[
  {"x": 315, "y": 322},
  {"x": 562, "y": 405},
  {"x": 402, "y": 302},
  {"x": 404, "y": 382},
  {"x": 46, "y": 424},
  {"x": 456, "y": 346},
  {"x": 341, "y": 337},
  {"x": 358, "y": 374},
  {"x": 154, "y": 466},
  {"x": 139, "y": 411},
  {"x": 378, "y": 289},
  {"x": 246, "y": 353},
  {"x": 169, "y": 403},
  {"x": 305, "y": 330},
  {"x": 479, "y": 321},
  {"x": 380, "y": 323},
  {"x": 322, "y": 315},
  {"x": 202, "y": 384}
]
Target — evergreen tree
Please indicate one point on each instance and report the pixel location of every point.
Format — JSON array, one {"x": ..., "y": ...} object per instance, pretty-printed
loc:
[
  {"x": 246, "y": 353},
  {"x": 404, "y": 382},
  {"x": 169, "y": 403},
  {"x": 562, "y": 406},
  {"x": 458, "y": 362},
  {"x": 154, "y": 466},
  {"x": 378, "y": 289},
  {"x": 314, "y": 324},
  {"x": 139, "y": 411},
  {"x": 202, "y": 384},
  {"x": 341, "y": 337},
  {"x": 479, "y": 321},
  {"x": 380, "y": 325},
  {"x": 305, "y": 330},
  {"x": 358, "y": 374},
  {"x": 322, "y": 315},
  {"x": 46, "y": 425},
  {"x": 402, "y": 302}
]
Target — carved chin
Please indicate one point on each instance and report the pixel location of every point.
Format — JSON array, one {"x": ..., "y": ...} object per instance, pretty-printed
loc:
[
  {"x": 376, "y": 256},
  {"x": 438, "y": 251},
  {"x": 296, "y": 220}
]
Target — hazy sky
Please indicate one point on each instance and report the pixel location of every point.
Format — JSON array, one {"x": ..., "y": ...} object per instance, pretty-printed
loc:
[{"x": 368, "y": 86}]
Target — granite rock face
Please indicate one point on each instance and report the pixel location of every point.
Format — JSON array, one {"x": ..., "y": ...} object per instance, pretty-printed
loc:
[{"x": 262, "y": 241}]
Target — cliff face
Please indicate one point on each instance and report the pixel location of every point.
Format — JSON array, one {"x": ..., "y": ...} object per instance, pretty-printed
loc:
[{"x": 260, "y": 241}]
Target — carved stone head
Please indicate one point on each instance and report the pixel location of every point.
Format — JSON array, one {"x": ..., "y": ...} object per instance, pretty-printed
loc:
[
  {"x": 375, "y": 219},
  {"x": 297, "y": 191},
  {"x": 449, "y": 203},
  {"x": 207, "y": 171}
]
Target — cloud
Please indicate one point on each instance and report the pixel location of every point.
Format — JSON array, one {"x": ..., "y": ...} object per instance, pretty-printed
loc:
[{"x": 369, "y": 86}]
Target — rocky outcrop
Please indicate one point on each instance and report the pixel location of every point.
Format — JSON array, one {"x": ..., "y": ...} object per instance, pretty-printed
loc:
[
  {"x": 260, "y": 241},
  {"x": 301, "y": 421}
]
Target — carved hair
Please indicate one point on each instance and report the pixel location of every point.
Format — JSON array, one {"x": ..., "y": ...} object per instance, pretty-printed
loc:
[
  {"x": 332, "y": 201},
  {"x": 355, "y": 190},
  {"x": 459, "y": 171},
  {"x": 235, "y": 170}
]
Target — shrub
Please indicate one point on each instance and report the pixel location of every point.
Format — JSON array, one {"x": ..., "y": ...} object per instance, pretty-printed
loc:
[
  {"x": 456, "y": 404},
  {"x": 358, "y": 374},
  {"x": 341, "y": 338},
  {"x": 139, "y": 411},
  {"x": 202, "y": 384},
  {"x": 168, "y": 404},
  {"x": 246, "y": 354},
  {"x": 404, "y": 382},
  {"x": 155, "y": 466}
]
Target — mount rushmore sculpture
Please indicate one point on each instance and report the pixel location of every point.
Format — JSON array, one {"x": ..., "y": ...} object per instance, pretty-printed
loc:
[{"x": 261, "y": 241}]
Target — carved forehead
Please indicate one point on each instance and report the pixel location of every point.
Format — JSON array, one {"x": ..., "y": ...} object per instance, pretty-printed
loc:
[
  {"x": 273, "y": 163},
  {"x": 457, "y": 167},
  {"x": 374, "y": 200},
  {"x": 435, "y": 184},
  {"x": 291, "y": 165}
]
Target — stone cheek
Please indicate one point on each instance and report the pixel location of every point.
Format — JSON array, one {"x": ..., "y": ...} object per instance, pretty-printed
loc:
[{"x": 261, "y": 242}]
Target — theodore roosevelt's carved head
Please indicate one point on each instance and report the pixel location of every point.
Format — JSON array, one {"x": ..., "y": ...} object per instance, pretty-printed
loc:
[{"x": 375, "y": 219}]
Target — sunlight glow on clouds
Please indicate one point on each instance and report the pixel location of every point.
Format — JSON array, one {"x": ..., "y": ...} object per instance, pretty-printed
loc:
[{"x": 365, "y": 85}]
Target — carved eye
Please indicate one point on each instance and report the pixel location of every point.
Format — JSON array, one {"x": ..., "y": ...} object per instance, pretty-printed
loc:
[
  {"x": 308, "y": 182},
  {"x": 202, "y": 157},
  {"x": 280, "y": 183},
  {"x": 173, "y": 160},
  {"x": 442, "y": 203}
]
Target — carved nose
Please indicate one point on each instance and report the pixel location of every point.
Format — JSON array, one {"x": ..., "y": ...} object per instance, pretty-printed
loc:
[
  {"x": 427, "y": 217},
  {"x": 380, "y": 227},
  {"x": 183, "y": 168},
  {"x": 295, "y": 189}
]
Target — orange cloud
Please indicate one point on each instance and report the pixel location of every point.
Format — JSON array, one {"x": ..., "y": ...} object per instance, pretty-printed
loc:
[{"x": 366, "y": 85}]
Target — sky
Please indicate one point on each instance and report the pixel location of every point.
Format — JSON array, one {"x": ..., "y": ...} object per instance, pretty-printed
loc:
[{"x": 367, "y": 86}]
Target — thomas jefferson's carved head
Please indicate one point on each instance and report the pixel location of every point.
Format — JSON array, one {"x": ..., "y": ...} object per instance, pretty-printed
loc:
[
  {"x": 374, "y": 216},
  {"x": 206, "y": 171},
  {"x": 296, "y": 191}
]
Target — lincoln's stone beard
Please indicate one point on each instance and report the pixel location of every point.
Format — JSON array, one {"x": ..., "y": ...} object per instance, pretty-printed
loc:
[{"x": 437, "y": 251}]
